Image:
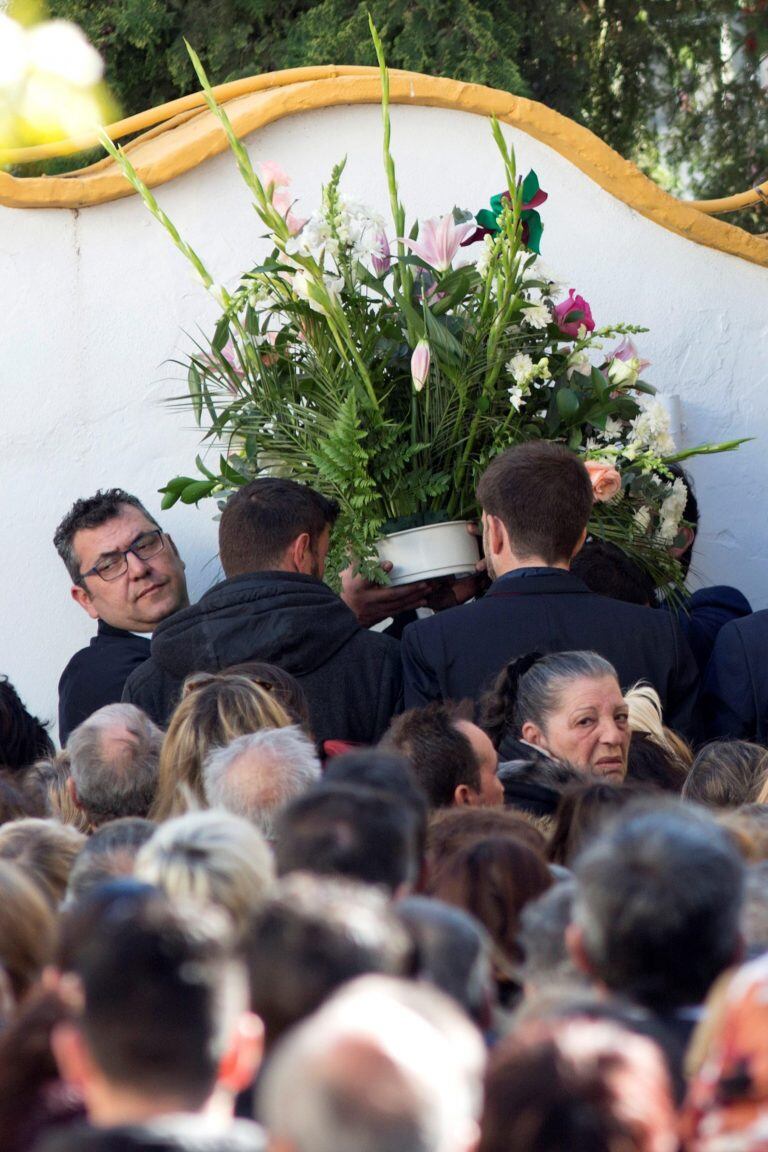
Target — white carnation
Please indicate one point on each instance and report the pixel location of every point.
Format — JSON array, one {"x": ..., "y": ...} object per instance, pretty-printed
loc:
[
  {"x": 521, "y": 368},
  {"x": 650, "y": 431},
  {"x": 536, "y": 315}
]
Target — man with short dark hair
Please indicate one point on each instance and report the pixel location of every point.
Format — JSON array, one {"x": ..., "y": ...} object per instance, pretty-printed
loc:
[
  {"x": 273, "y": 606},
  {"x": 452, "y": 759},
  {"x": 162, "y": 1038},
  {"x": 125, "y": 573},
  {"x": 536, "y": 500},
  {"x": 352, "y": 831},
  {"x": 656, "y": 914},
  {"x": 312, "y": 935}
]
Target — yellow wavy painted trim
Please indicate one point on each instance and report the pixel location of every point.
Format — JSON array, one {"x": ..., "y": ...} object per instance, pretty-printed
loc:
[{"x": 183, "y": 134}]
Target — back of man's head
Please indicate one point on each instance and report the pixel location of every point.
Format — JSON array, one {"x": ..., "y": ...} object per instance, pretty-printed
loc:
[
  {"x": 114, "y": 757},
  {"x": 345, "y": 830},
  {"x": 438, "y": 751},
  {"x": 387, "y": 772},
  {"x": 258, "y": 774},
  {"x": 657, "y": 907},
  {"x": 109, "y": 853},
  {"x": 313, "y": 935},
  {"x": 263, "y": 518},
  {"x": 161, "y": 997},
  {"x": 453, "y": 951},
  {"x": 376, "y": 1071},
  {"x": 542, "y": 495}
]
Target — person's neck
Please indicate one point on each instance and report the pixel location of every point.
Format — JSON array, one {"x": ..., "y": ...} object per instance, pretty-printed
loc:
[
  {"x": 112, "y": 1105},
  {"x": 512, "y": 563}
]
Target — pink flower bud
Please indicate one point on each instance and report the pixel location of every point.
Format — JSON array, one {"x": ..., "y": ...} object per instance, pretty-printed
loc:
[
  {"x": 420, "y": 361},
  {"x": 381, "y": 257},
  {"x": 574, "y": 303}
]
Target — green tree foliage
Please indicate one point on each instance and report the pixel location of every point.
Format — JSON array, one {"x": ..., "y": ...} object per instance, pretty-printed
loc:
[{"x": 679, "y": 86}]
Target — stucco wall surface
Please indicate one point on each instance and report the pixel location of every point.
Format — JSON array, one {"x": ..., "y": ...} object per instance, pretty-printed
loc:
[{"x": 96, "y": 305}]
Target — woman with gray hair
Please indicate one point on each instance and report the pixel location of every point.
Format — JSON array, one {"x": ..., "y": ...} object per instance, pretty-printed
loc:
[{"x": 566, "y": 705}]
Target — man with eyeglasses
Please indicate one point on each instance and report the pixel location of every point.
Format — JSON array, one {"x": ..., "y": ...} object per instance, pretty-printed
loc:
[{"x": 127, "y": 574}]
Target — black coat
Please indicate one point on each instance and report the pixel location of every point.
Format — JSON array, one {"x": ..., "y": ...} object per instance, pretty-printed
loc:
[
  {"x": 734, "y": 693},
  {"x": 351, "y": 676},
  {"x": 181, "y": 1133},
  {"x": 96, "y": 675},
  {"x": 459, "y": 653}
]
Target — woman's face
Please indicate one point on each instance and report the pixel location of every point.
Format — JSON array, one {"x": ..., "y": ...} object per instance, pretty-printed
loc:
[{"x": 589, "y": 728}]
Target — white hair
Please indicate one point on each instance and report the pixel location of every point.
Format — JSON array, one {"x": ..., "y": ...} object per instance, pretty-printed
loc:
[
  {"x": 256, "y": 775},
  {"x": 212, "y": 858},
  {"x": 383, "y": 1066}
]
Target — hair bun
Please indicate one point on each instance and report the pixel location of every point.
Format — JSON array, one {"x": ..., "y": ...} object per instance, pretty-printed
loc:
[{"x": 517, "y": 668}]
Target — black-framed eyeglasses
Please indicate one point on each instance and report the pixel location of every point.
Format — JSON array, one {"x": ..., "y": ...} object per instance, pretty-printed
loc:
[{"x": 112, "y": 565}]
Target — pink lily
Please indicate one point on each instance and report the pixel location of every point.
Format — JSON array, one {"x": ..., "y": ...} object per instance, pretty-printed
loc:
[
  {"x": 381, "y": 257},
  {"x": 270, "y": 172},
  {"x": 420, "y": 361},
  {"x": 626, "y": 351},
  {"x": 439, "y": 241}
]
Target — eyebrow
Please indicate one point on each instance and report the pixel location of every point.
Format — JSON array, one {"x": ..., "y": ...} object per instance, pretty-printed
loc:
[{"x": 119, "y": 551}]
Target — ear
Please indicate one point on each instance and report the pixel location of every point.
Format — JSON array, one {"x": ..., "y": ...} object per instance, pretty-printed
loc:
[
  {"x": 72, "y": 792},
  {"x": 689, "y": 535},
  {"x": 574, "y": 943},
  {"x": 175, "y": 550},
  {"x": 464, "y": 796},
  {"x": 579, "y": 544},
  {"x": 300, "y": 553},
  {"x": 532, "y": 734},
  {"x": 242, "y": 1060},
  {"x": 495, "y": 534},
  {"x": 82, "y": 597},
  {"x": 72, "y": 1056}
]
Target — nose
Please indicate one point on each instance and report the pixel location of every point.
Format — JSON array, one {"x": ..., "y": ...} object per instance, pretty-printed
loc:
[
  {"x": 136, "y": 566},
  {"x": 611, "y": 733}
]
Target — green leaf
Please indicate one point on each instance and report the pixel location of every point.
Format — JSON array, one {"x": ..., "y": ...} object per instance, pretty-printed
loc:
[
  {"x": 196, "y": 491},
  {"x": 221, "y": 335},
  {"x": 195, "y": 391},
  {"x": 443, "y": 342},
  {"x": 567, "y": 403}
]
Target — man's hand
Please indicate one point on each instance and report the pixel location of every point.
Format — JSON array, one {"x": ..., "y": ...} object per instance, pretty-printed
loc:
[
  {"x": 372, "y": 603},
  {"x": 450, "y": 591}
]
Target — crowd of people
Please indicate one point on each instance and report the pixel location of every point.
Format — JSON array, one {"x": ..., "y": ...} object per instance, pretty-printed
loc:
[{"x": 457, "y": 865}]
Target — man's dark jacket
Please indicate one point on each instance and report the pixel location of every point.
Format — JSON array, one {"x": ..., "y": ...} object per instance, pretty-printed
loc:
[
  {"x": 351, "y": 676},
  {"x": 96, "y": 675},
  {"x": 168, "y": 1134},
  {"x": 734, "y": 693},
  {"x": 458, "y": 653}
]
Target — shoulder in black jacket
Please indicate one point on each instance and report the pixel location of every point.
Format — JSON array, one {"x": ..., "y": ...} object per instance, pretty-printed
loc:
[
  {"x": 458, "y": 653},
  {"x": 734, "y": 694},
  {"x": 351, "y": 676},
  {"x": 96, "y": 675}
]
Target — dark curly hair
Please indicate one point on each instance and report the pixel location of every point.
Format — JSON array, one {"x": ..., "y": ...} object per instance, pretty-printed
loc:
[{"x": 23, "y": 738}]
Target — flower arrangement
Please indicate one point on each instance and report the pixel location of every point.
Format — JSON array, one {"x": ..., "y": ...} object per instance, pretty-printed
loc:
[{"x": 388, "y": 366}]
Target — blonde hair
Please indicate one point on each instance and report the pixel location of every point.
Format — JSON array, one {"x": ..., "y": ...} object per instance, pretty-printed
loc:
[
  {"x": 214, "y": 709},
  {"x": 646, "y": 716},
  {"x": 27, "y": 929},
  {"x": 212, "y": 858},
  {"x": 45, "y": 851}
]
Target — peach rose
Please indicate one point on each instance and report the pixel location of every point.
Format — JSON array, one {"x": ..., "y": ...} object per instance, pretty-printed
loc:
[{"x": 606, "y": 481}]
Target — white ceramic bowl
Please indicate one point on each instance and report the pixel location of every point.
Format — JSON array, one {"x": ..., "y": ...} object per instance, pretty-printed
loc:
[{"x": 434, "y": 550}]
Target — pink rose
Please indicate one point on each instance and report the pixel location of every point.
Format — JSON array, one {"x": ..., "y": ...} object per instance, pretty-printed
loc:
[
  {"x": 606, "y": 481},
  {"x": 573, "y": 303}
]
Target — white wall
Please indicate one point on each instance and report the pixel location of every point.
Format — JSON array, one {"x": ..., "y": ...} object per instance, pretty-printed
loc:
[{"x": 95, "y": 304}]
